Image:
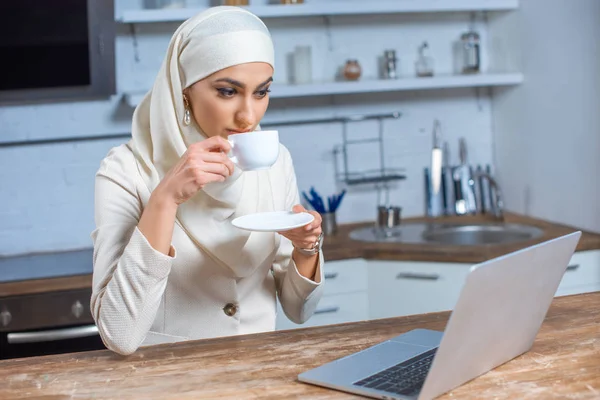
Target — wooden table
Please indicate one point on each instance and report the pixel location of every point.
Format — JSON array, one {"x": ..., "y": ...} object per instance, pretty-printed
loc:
[{"x": 564, "y": 363}]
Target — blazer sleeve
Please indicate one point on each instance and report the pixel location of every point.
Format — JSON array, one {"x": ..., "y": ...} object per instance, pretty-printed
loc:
[
  {"x": 298, "y": 295},
  {"x": 129, "y": 276}
]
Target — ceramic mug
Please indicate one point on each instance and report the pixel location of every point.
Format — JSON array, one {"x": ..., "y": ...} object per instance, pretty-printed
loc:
[{"x": 256, "y": 150}]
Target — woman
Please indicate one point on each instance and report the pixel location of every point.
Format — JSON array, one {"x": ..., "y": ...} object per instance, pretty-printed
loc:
[{"x": 168, "y": 263}]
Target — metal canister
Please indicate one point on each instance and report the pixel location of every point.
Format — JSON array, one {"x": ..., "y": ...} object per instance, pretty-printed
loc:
[{"x": 388, "y": 216}]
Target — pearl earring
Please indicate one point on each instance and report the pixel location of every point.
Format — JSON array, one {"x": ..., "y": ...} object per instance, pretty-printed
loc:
[{"x": 186, "y": 114}]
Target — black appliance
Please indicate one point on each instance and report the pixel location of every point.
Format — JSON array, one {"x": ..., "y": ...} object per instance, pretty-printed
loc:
[{"x": 60, "y": 49}]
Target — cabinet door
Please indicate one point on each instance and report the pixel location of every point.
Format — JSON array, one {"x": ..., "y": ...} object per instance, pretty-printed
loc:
[
  {"x": 582, "y": 274},
  {"x": 405, "y": 288},
  {"x": 345, "y": 297},
  {"x": 345, "y": 276},
  {"x": 332, "y": 309}
]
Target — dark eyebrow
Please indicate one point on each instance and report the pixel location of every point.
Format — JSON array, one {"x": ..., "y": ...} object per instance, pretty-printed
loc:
[{"x": 242, "y": 85}]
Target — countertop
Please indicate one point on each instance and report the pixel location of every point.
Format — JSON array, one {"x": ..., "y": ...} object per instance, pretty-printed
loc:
[
  {"x": 338, "y": 247},
  {"x": 563, "y": 363}
]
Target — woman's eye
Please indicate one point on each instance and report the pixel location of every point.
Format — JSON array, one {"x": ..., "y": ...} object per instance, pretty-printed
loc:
[
  {"x": 263, "y": 93},
  {"x": 226, "y": 92}
]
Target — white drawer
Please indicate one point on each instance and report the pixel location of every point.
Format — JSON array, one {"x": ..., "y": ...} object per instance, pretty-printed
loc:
[
  {"x": 583, "y": 269},
  {"x": 334, "y": 309},
  {"x": 582, "y": 274},
  {"x": 405, "y": 288},
  {"x": 345, "y": 276}
]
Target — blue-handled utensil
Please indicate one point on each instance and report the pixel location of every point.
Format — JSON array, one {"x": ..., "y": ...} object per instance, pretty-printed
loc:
[
  {"x": 339, "y": 199},
  {"x": 318, "y": 199},
  {"x": 315, "y": 202}
]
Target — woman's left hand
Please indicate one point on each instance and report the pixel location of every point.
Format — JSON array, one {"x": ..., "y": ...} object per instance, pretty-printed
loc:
[{"x": 305, "y": 236}]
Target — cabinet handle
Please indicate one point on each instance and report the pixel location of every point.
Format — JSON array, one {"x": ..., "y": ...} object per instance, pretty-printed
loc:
[
  {"x": 572, "y": 267},
  {"x": 413, "y": 275},
  {"x": 331, "y": 275},
  {"x": 50, "y": 335},
  {"x": 327, "y": 310}
]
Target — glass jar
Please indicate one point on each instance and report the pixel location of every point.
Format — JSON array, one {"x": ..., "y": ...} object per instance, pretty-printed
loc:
[
  {"x": 424, "y": 63},
  {"x": 471, "y": 52},
  {"x": 352, "y": 70}
]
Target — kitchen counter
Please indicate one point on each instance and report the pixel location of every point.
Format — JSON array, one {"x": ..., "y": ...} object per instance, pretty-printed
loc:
[
  {"x": 340, "y": 247},
  {"x": 563, "y": 363}
]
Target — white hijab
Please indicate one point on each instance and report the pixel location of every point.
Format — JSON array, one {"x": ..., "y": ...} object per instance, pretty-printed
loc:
[{"x": 215, "y": 39}]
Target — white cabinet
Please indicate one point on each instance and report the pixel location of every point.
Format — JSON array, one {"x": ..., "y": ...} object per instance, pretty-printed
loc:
[
  {"x": 405, "y": 287},
  {"x": 332, "y": 309},
  {"x": 358, "y": 289},
  {"x": 345, "y": 297},
  {"x": 582, "y": 274}
]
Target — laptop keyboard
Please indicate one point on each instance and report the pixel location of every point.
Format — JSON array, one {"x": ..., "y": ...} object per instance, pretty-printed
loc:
[{"x": 406, "y": 378}]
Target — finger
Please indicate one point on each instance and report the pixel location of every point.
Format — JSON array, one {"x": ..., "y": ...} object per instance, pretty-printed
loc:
[
  {"x": 298, "y": 208},
  {"x": 218, "y": 158},
  {"x": 316, "y": 221},
  {"x": 207, "y": 177},
  {"x": 215, "y": 143},
  {"x": 212, "y": 168}
]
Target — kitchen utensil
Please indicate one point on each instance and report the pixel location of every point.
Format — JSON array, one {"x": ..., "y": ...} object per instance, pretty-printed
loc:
[
  {"x": 466, "y": 181},
  {"x": 433, "y": 176},
  {"x": 388, "y": 216},
  {"x": 436, "y": 159},
  {"x": 333, "y": 201},
  {"x": 449, "y": 198},
  {"x": 315, "y": 204},
  {"x": 275, "y": 221}
]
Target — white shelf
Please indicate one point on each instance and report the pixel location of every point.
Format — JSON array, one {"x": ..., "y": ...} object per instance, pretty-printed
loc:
[
  {"x": 340, "y": 7},
  {"x": 377, "y": 86}
]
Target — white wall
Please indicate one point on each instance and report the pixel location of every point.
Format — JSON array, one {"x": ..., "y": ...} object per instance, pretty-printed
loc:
[
  {"x": 547, "y": 131},
  {"x": 46, "y": 196}
]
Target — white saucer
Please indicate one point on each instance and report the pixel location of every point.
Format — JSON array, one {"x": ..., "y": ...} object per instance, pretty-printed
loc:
[{"x": 276, "y": 221}]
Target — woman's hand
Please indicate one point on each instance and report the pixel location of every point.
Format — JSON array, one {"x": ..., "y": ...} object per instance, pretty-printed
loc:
[
  {"x": 306, "y": 236},
  {"x": 203, "y": 162}
]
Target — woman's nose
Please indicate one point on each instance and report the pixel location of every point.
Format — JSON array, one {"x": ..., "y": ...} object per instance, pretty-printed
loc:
[{"x": 245, "y": 117}]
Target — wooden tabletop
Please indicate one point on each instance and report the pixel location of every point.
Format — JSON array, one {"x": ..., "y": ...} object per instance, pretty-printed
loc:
[
  {"x": 564, "y": 363},
  {"x": 341, "y": 247}
]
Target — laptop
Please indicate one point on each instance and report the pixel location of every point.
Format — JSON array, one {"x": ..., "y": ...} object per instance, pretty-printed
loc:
[{"x": 496, "y": 318}]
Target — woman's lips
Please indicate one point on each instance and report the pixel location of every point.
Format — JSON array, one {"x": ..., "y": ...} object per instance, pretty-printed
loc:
[{"x": 233, "y": 131}]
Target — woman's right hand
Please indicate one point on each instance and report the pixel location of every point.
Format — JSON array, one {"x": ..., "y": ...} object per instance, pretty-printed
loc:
[{"x": 203, "y": 162}]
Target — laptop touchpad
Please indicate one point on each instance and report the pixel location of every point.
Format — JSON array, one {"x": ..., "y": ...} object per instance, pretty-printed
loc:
[{"x": 362, "y": 364}]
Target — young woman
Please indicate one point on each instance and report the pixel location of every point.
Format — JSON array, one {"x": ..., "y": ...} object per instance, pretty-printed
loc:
[{"x": 168, "y": 263}]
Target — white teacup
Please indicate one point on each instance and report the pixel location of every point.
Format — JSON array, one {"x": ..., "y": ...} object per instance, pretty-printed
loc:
[{"x": 256, "y": 150}]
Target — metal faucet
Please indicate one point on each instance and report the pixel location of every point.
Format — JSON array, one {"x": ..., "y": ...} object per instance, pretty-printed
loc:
[{"x": 499, "y": 206}]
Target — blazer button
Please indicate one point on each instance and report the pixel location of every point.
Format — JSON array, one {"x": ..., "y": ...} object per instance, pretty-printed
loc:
[{"x": 230, "y": 309}]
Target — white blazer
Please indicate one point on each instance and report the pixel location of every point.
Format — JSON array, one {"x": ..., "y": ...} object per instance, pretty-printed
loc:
[{"x": 141, "y": 296}]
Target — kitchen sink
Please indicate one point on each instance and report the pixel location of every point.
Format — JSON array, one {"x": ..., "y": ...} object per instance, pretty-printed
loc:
[{"x": 449, "y": 234}]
